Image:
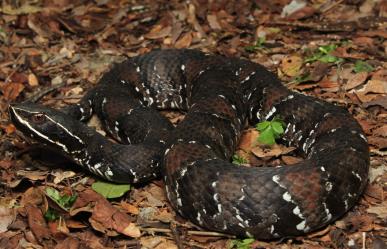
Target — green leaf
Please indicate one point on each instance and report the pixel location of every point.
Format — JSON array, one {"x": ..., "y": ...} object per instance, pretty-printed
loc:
[
  {"x": 263, "y": 125},
  {"x": 259, "y": 44},
  {"x": 64, "y": 201},
  {"x": 241, "y": 244},
  {"x": 110, "y": 190},
  {"x": 51, "y": 215},
  {"x": 277, "y": 127},
  {"x": 267, "y": 137},
  {"x": 362, "y": 66},
  {"x": 270, "y": 130},
  {"x": 327, "y": 48},
  {"x": 236, "y": 159},
  {"x": 329, "y": 58}
]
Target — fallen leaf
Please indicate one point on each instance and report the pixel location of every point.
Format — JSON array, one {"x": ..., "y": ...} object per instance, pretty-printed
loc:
[
  {"x": 273, "y": 151},
  {"x": 213, "y": 22},
  {"x": 356, "y": 80},
  {"x": 379, "y": 210},
  {"x": 291, "y": 65},
  {"x": 159, "y": 32},
  {"x": 105, "y": 217},
  {"x": 11, "y": 90},
  {"x": 33, "y": 80},
  {"x": 184, "y": 41},
  {"x": 61, "y": 175},
  {"x": 37, "y": 223},
  {"x": 7, "y": 216},
  {"x": 381, "y": 131}
]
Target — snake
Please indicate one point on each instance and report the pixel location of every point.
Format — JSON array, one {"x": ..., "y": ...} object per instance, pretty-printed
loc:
[{"x": 220, "y": 96}]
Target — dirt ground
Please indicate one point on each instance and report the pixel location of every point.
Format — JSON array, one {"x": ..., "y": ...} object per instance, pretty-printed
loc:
[{"x": 53, "y": 53}]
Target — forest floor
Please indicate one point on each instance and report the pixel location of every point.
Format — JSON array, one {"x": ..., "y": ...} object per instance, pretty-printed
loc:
[{"x": 53, "y": 53}]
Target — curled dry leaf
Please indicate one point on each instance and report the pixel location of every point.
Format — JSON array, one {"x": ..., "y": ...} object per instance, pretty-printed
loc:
[
  {"x": 275, "y": 150},
  {"x": 105, "y": 217}
]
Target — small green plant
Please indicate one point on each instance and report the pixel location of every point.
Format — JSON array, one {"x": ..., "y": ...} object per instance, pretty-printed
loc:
[
  {"x": 323, "y": 54},
  {"x": 259, "y": 44},
  {"x": 236, "y": 159},
  {"x": 241, "y": 243},
  {"x": 110, "y": 190},
  {"x": 64, "y": 201},
  {"x": 51, "y": 215},
  {"x": 270, "y": 131},
  {"x": 362, "y": 66}
]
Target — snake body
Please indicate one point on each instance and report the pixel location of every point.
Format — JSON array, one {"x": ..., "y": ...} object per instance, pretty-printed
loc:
[{"x": 219, "y": 94}]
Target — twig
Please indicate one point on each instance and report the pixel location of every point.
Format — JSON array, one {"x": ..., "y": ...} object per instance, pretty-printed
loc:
[
  {"x": 43, "y": 92},
  {"x": 378, "y": 152},
  {"x": 328, "y": 8},
  {"x": 190, "y": 232}
]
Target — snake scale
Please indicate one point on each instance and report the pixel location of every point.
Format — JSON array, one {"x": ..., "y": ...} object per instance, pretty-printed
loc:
[{"x": 219, "y": 95}]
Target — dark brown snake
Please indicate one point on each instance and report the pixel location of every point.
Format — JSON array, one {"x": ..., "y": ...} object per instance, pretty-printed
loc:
[{"x": 219, "y": 95}]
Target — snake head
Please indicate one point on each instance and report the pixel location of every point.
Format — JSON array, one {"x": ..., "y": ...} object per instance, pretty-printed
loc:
[{"x": 47, "y": 125}]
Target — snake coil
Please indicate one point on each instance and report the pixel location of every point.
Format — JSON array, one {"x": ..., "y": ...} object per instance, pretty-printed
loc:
[{"x": 219, "y": 95}]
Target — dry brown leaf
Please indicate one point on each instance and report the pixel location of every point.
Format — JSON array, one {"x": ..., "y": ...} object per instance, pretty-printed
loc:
[
  {"x": 37, "y": 223},
  {"x": 289, "y": 160},
  {"x": 159, "y": 32},
  {"x": 33, "y": 80},
  {"x": 291, "y": 65},
  {"x": 275, "y": 150},
  {"x": 381, "y": 131},
  {"x": 213, "y": 22},
  {"x": 129, "y": 208},
  {"x": 185, "y": 41},
  {"x": 356, "y": 80},
  {"x": 105, "y": 217},
  {"x": 7, "y": 216},
  {"x": 248, "y": 140},
  {"x": 11, "y": 90}
]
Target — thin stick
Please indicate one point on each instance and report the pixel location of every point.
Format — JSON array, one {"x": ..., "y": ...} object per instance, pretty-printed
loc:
[{"x": 190, "y": 232}]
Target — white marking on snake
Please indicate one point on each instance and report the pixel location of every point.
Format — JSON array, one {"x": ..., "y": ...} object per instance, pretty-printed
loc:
[
  {"x": 322, "y": 168},
  {"x": 183, "y": 67},
  {"x": 97, "y": 165},
  {"x": 198, "y": 218},
  {"x": 137, "y": 89},
  {"x": 270, "y": 113},
  {"x": 287, "y": 98},
  {"x": 166, "y": 152},
  {"x": 327, "y": 212},
  {"x": 219, "y": 208},
  {"x": 109, "y": 172},
  {"x": 287, "y": 197},
  {"x": 363, "y": 137},
  {"x": 216, "y": 197},
  {"x": 357, "y": 175},
  {"x": 138, "y": 69},
  {"x": 67, "y": 131},
  {"x": 272, "y": 229},
  {"x": 301, "y": 226},
  {"x": 346, "y": 204},
  {"x": 213, "y": 184},
  {"x": 183, "y": 172},
  {"x": 328, "y": 186}
]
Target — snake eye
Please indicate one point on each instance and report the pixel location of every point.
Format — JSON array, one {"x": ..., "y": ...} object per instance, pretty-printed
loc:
[{"x": 38, "y": 118}]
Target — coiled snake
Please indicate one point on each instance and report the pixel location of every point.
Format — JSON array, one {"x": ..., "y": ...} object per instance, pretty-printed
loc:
[{"x": 219, "y": 95}]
